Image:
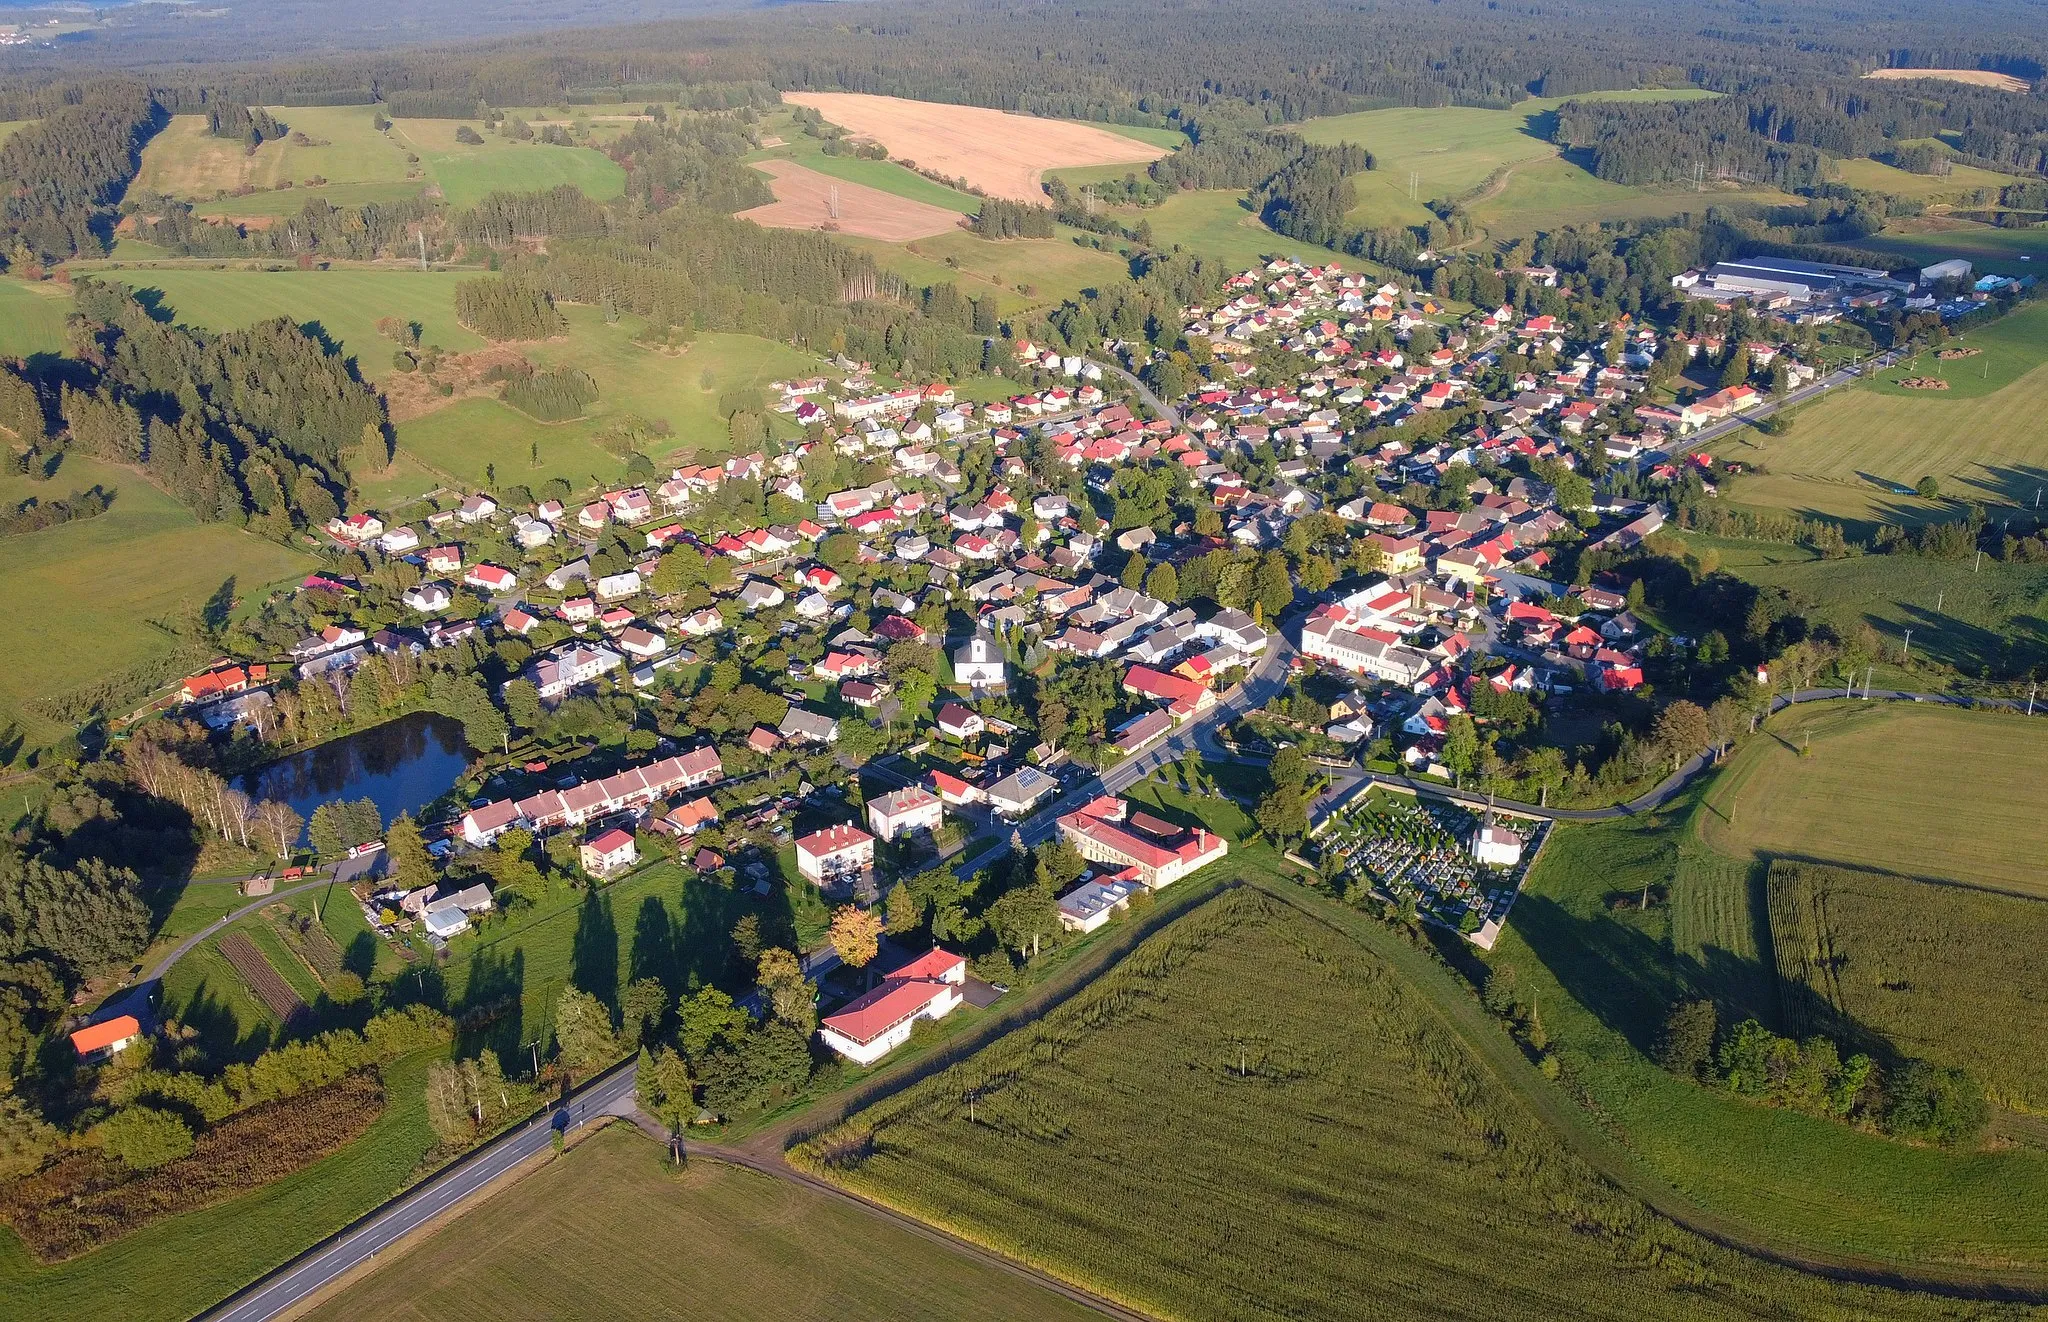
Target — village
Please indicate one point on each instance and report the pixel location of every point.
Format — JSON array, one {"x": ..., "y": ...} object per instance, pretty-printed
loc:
[{"x": 1364, "y": 491}]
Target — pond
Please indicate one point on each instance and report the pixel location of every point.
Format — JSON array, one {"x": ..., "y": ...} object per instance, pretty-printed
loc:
[{"x": 401, "y": 766}]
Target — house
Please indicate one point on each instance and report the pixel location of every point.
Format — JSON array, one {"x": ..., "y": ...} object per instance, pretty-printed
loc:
[
  {"x": 872, "y": 1025},
  {"x": 758, "y": 594},
  {"x": 643, "y": 643},
  {"x": 959, "y": 722},
  {"x": 491, "y": 579},
  {"x": 1159, "y": 853},
  {"x": 554, "y": 676},
  {"x": 476, "y": 509},
  {"x": 221, "y": 682},
  {"x": 802, "y": 725},
  {"x": 693, "y": 815},
  {"x": 608, "y": 853},
  {"x": 900, "y": 812},
  {"x": 1496, "y": 846},
  {"x": 979, "y": 665},
  {"x": 591, "y": 800},
  {"x": 105, "y": 1038},
  {"x": 1183, "y": 697},
  {"x": 836, "y": 856},
  {"x": 427, "y": 598},
  {"x": 951, "y": 789},
  {"x": 1016, "y": 794},
  {"x": 399, "y": 540},
  {"x": 360, "y": 528},
  {"x": 613, "y": 587},
  {"x": 446, "y": 913},
  {"x": 1090, "y": 905}
]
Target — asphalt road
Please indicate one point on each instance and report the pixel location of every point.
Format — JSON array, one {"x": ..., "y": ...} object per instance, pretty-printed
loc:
[
  {"x": 1715, "y": 431},
  {"x": 324, "y": 1263},
  {"x": 1259, "y": 687}
]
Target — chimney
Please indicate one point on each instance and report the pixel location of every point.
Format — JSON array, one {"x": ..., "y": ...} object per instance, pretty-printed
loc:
[{"x": 1415, "y": 595}]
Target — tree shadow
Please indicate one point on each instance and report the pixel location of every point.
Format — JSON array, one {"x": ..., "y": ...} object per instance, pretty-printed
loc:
[
  {"x": 657, "y": 951},
  {"x": 594, "y": 953},
  {"x": 492, "y": 1013},
  {"x": 361, "y": 956}
]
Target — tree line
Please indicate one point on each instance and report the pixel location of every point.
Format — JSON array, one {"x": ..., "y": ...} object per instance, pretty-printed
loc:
[
  {"x": 252, "y": 126},
  {"x": 62, "y": 176},
  {"x": 1000, "y": 218}
]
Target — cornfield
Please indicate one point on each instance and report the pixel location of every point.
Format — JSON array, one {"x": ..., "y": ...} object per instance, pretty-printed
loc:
[
  {"x": 1252, "y": 1117},
  {"x": 1944, "y": 973}
]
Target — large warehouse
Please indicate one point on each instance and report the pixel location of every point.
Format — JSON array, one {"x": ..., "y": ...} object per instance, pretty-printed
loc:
[{"x": 1763, "y": 277}]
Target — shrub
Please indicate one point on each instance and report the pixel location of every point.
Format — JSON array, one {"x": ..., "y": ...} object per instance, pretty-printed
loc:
[
  {"x": 142, "y": 1137},
  {"x": 1935, "y": 1104}
]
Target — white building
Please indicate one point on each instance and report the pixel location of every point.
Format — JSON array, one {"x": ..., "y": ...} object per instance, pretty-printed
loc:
[
  {"x": 1016, "y": 794},
  {"x": 1496, "y": 846},
  {"x": 979, "y": 665},
  {"x": 1091, "y": 904},
  {"x": 838, "y": 855},
  {"x": 427, "y": 598},
  {"x": 871, "y": 1026},
  {"x": 899, "y": 812}
]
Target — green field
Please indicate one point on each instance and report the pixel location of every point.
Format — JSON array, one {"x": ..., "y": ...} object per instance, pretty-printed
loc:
[
  {"x": 1977, "y": 618},
  {"x": 1602, "y": 974},
  {"x": 1454, "y": 151},
  {"x": 186, "y": 161},
  {"x": 1845, "y": 455},
  {"x": 886, "y": 176},
  {"x": 291, "y": 201},
  {"x": 2004, "y": 251},
  {"x": 607, "y": 1231},
  {"x": 181, "y": 1266},
  {"x": 1923, "y": 791},
  {"x": 358, "y": 163},
  {"x": 108, "y": 580},
  {"x": 1937, "y": 972},
  {"x": 1253, "y": 1116},
  {"x": 347, "y": 304},
  {"x": 1215, "y": 223},
  {"x": 1172, "y": 139},
  {"x": 32, "y": 318},
  {"x": 1956, "y": 185}
]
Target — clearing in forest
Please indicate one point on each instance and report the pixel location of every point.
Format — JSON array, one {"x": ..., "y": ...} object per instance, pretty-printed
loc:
[
  {"x": 2004, "y": 82},
  {"x": 1001, "y": 154},
  {"x": 808, "y": 200}
]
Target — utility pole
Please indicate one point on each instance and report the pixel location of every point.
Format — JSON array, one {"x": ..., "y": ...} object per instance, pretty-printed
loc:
[
  {"x": 1939, "y": 598},
  {"x": 423, "y": 249},
  {"x": 1980, "y": 561},
  {"x": 535, "y": 1044},
  {"x": 1866, "y": 682},
  {"x": 2030, "y": 697},
  {"x": 1906, "y": 647}
]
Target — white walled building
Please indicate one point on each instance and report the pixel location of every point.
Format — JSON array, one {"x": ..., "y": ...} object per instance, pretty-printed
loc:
[{"x": 871, "y": 1026}]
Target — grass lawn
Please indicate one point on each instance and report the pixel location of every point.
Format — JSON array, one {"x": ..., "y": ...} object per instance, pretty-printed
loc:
[
  {"x": 467, "y": 174},
  {"x": 98, "y": 586},
  {"x": 1327, "y": 1148},
  {"x": 346, "y": 304},
  {"x": 186, "y": 161},
  {"x": 1171, "y": 139},
  {"x": 32, "y": 318},
  {"x": 1922, "y": 791},
  {"x": 1602, "y": 977},
  {"x": 179, "y": 1267},
  {"x": 1995, "y": 617},
  {"x": 609, "y": 1231},
  {"x": 1845, "y": 455}
]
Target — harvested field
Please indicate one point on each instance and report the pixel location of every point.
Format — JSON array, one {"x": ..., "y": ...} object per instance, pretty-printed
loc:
[
  {"x": 803, "y": 201},
  {"x": 1001, "y": 154},
  {"x": 2004, "y": 82},
  {"x": 263, "y": 980}
]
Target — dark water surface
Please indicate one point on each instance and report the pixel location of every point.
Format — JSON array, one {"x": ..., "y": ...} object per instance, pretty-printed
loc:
[{"x": 401, "y": 766}]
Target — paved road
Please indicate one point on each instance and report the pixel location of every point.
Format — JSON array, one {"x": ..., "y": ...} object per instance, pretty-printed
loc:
[
  {"x": 300, "y": 1279},
  {"x": 1266, "y": 679},
  {"x": 1715, "y": 431}
]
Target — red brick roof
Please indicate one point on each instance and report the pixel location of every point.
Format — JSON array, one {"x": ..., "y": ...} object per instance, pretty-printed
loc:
[{"x": 105, "y": 1033}]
